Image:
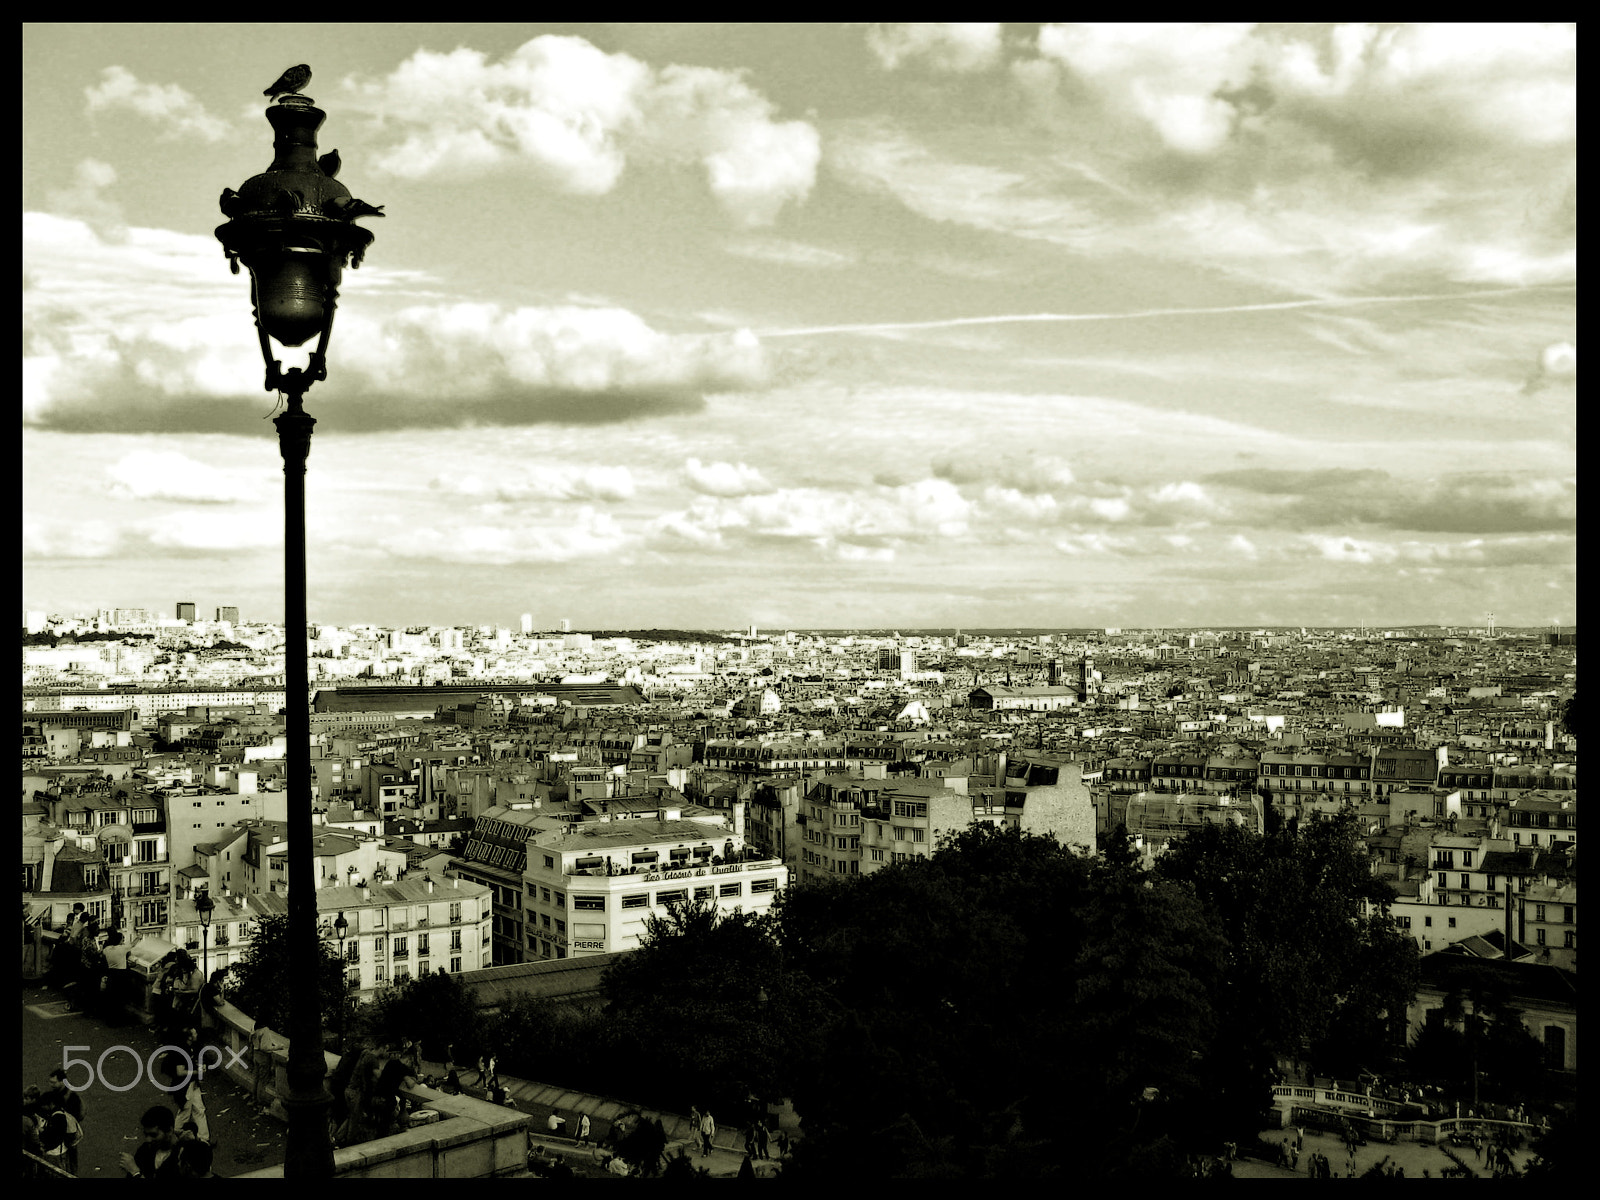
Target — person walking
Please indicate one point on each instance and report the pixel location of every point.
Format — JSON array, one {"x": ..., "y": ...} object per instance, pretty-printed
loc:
[
  {"x": 494, "y": 1073},
  {"x": 483, "y": 1070},
  {"x": 583, "y": 1129},
  {"x": 708, "y": 1130},
  {"x": 156, "y": 1157},
  {"x": 761, "y": 1139}
]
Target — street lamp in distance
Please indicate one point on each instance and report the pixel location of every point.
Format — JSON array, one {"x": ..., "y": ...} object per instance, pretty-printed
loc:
[
  {"x": 204, "y": 905},
  {"x": 341, "y": 927}
]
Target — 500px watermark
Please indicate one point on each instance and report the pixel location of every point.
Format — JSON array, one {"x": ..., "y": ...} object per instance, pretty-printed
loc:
[{"x": 140, "y": 1066}]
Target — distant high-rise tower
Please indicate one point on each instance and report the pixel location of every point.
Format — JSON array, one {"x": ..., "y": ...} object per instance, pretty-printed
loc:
[
  {"x": 185, "y": 610},
  {"x": 752, "y": 631},
  {"x": 229, "y": 614},
  {"x": 527, "y": 624},
  {"x": 566, "y": 625}
]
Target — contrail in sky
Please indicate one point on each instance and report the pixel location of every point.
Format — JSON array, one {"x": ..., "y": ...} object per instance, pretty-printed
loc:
[{"x": 1015, "y": 318}]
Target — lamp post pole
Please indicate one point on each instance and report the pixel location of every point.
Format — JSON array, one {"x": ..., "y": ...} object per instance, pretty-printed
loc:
[
  {"x": 292, "y": 226},
  {"x": 342, "y": 927},
  {"x": 203, "y": 906}
]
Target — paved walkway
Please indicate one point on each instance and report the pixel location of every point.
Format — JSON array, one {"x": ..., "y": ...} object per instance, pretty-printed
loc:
[
  {"x": 244, "y": 1139},
  {"x": 1415, "y": 1157},
  {"x": 539, "y": 1100}
]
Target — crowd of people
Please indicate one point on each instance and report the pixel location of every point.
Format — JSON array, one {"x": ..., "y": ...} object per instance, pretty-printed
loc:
[{"x": 176, "y": 1137}]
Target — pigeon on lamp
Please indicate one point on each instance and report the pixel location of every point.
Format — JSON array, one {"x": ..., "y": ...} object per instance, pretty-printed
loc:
[
  {"x": 229, "y": 202},
  {"x": 352, "y": 209},
  {"x": 290, "y": 81},
  {"x": 329, "y": 163}
]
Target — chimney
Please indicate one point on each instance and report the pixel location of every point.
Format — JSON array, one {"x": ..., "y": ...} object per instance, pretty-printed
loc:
[{"x": 429, "y": 881}]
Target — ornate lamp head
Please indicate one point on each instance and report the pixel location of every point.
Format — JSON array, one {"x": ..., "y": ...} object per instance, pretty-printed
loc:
[{"x": 292, "y": 227}]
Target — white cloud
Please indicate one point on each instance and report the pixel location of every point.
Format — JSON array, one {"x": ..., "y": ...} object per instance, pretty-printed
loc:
[
  {"x": 724, "y": 479},
  {"x": 574, "y": 116},
  {"x": 175, "y": 111},
  {"x": 1168, "y": 75},
  {"x": 170, "y": 475},
  {"x": 555, "y": 481},
  {"x": 587, "y": 534},
  {"x": 945, "y": 46}
]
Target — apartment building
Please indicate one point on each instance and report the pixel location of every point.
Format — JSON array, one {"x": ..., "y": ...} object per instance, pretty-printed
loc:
[{"x": 590, "y": 887}]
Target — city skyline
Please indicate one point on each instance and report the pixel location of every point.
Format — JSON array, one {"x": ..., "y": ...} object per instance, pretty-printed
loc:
[{"x": 707, "y": 326}]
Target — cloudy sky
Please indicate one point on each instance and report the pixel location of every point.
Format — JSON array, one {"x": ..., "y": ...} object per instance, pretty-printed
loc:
[{"x": 708, "y": 325}]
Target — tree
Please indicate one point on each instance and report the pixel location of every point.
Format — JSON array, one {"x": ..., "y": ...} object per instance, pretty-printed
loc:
[
  {"x": 1313, "y": 955},
  {"x": 434, "y": 1008},
  {"x": 685, "y": 1016},
  {"x": 259, "y": 978},
  {"x": 1569, "y": 715},
  {"x": 1001, "y": 1005}
]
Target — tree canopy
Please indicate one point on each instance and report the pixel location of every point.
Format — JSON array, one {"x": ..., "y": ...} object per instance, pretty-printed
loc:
[{"x": 260, "y": 978}]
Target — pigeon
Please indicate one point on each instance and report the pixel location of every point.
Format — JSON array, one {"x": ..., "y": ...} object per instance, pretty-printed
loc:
[
  {"x": 329, "y": 163},
  {"x": 228, "y": 202},
  {"x": 290, "y": 81},
  {"x": 359, "y": 208}
]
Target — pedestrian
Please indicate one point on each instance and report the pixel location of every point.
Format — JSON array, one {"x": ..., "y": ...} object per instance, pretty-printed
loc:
[
  {"x": 156, "y": 1157},
  {"x": 746, "y": 1170},
  {"x": 783, "y": 1143},
  {"x": 60, "y": 1135},
  {"x": 708, "y": 1130},
  {"x": 71, "y": 1102},
  {"x": 494, "y": 1073},
  {"x": 483, "y": 1070},
  {"x": 761, "y": 1140},
  {"x": 1294, "y": 1159},
  {"x": 116, "y": 989},
  {"x": 210, "y": 997},
  {"x": 1299, "y": 1137},
  {"x": 191, "y": 1107},
  {"x": 554, "y": 1124},
  {"x": 583, "y": 1129}
]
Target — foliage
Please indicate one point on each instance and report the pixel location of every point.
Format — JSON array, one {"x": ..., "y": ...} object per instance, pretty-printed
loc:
[
  {"x": 260, "y": 978},
  {"x": 684, "y": 1014},
  {"x": 1315, "y": 962},
  {"x": 434, "y": 1008},
  {"x": 681, "y": 1167},
  {"x": 1569, "y": 715},
  {"x": 1558, "y": 1152},
  {"x": 1489, "y": 1038},
  {"x": 954, "y": 978},
  {"x": 643, "y": 1145}
]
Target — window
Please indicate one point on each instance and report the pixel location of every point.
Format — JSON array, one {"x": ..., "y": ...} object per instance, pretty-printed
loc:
[
  {"x": 544, "y": 894},
  {"x": 455, "y": 966},
  {"x": 731, "y": 889},
  {"x": 1427, "y": 922},
  {"x": 1538, "y": 936},
  {"x": 1466, "y": 882},
  {"x": 422, "y": 943},
  {"x": 702, "y": 893},
  {"x": 561, "y": 927},
  {"x": 455, "y": 939},
  {"x": 561, "y": 900},
  {"x": 1452, "y": 922},
  {"x": 380, "y": 973},
  {"x": 589, "y": 903},
  {"x": 758, "y": 886},
  {"x": 379, "y": 945},
  {"x": 145, "y": 850},
  {"x": 550, "y": 862},
  {"x": 919, "y": 835},
  {"x": 638, "y": 900}
]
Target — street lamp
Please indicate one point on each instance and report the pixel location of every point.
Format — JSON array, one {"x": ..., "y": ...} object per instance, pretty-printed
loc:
[
  {"x": 292, "y": 228},
  {"x": 341, "y": 927},
  {"x": 204, "y": 905}
]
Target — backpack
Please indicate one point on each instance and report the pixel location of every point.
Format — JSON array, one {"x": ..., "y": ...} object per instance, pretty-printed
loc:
[{"x": 60, "y": 1133}]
